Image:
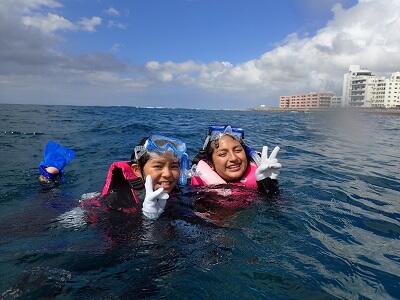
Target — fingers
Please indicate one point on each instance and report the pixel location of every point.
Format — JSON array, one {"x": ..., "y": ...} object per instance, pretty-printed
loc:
[
  {"x": 158, "y": 192},
  {"x": 264, "y": 154},
  {"x": 149, "y": 183},
  {"x": 274, "y": 153},
  {"x": 275, "y": 165}
]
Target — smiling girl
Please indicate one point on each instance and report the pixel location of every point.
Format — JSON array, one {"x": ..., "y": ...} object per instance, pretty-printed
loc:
[
  {"x": 147, "y": 180},
  {"x": 226, "y": 159}
]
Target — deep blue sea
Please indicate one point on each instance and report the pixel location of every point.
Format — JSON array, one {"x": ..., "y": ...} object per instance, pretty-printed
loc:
[{"x": 332, "y": 233}]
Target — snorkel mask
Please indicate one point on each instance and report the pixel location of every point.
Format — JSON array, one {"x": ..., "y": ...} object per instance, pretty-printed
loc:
[
  {"x": 215, "y": 132},
  {"x": 161, "y": 144}
]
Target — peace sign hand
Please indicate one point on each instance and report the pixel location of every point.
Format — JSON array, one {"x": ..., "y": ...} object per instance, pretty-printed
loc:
[
  {"x": 269, "y": 166},
  {"x": 154, "y": 201}
]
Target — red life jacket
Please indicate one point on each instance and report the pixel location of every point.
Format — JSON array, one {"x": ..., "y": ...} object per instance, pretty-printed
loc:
[{"x": 121, "y": 179}]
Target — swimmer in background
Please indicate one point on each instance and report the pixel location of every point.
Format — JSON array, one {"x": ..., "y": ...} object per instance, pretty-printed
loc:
[
  {"x": 51, "y": 168},
  {"x": 226, "y": 159}
]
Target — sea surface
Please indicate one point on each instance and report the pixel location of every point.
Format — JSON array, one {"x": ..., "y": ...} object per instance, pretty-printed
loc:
[{"x": 332, "y": 233}]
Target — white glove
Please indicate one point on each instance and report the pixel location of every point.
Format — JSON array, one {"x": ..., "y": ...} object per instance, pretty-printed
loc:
[
  {"x": 154, "y": 201},
  {"x": 269, "y": 166}
]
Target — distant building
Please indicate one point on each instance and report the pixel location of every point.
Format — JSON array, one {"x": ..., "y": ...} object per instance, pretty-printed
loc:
[
  {"x": 375, "y": 92},
  {"x": 311, "y": 100},
  {"x": 336, "y": 101},
  {"x": 392, "y": 91},
  {"x": 361, "y": 88},
  {"x": 354, "y": 86}
]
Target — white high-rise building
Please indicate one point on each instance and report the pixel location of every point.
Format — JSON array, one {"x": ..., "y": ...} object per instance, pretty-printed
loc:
[
  {"x": 392, "y": 91},
  {"x": 375, "y": 92},
  {"x": 361, "y": 88},
  {"x": 355, "y": 86}
]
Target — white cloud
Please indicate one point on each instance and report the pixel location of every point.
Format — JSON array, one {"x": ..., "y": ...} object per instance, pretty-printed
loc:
[
  {"x": 27, "y": 6},
  {"x": 111, "y": 11},
  {"x": 365, "y": 34},
  {"x": 49, "y": 23},
  {"x": 90, "y": 24},
  {"x": 115, "y": 47},
  {"x": 119, "y": 25}
]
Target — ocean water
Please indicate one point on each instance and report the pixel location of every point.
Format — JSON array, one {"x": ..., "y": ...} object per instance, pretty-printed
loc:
[{"x": 332, "y": 233}]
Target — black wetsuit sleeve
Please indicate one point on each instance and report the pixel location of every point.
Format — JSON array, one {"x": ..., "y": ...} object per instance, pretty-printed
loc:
[{"x": 268, "y": 186}]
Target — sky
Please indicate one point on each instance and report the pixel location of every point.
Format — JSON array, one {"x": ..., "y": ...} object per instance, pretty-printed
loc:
[{"x": 212, "y": 54}]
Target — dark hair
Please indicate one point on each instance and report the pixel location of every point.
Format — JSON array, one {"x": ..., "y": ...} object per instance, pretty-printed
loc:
[
  {"x": 144, "y": 158},
  {"x": 207, "y": 153}
]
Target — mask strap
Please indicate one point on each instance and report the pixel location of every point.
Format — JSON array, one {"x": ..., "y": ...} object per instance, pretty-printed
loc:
[{"x": 206, "y": 142}]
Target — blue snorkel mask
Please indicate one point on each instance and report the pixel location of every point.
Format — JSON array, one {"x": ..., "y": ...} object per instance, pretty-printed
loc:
[
  {"x": 215, "y": 132},
  {"x": 161, "y": 144}
]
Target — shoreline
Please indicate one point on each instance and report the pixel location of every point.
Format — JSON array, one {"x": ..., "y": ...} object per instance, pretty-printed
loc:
[{"x": 386, "y": 111}]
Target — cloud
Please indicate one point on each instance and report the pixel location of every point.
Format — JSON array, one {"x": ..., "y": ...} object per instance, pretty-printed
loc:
[
  {"x": 90, "y": 24},
  {"x": 115, "y": 48},
  {"x": 113, "y": 24},
  {"x": 49, "y": 23},
  {"x": 366, "y": 34},
  {"x": 111, "y": 11},
  {"x": 33, "y": 67},
  {"x": 26, "y": 6}
]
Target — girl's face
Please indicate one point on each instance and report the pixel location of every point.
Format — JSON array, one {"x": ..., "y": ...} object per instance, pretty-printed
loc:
[
  {"x": 229, "y": 159},
  {"x": 163, "y": 169}
]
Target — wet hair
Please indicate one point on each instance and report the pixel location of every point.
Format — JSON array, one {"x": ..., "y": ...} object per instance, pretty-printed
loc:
[
  {"x": 144, "y": 158},
  {"x": 207, "y": 153}
]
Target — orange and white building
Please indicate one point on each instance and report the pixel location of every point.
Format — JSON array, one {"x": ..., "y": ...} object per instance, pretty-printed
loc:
[{"x": 310, "y": 100}]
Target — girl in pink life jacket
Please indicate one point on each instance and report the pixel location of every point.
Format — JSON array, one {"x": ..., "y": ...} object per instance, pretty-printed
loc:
[
  {"x": 147, "y": 180},
  {"x": 226, "y": 159}
]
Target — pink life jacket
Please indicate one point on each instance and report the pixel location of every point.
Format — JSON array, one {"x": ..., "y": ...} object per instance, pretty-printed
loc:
[{"x": 207, "y": 176}]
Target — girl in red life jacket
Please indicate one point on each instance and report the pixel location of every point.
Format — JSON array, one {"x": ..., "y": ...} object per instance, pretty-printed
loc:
[
  {"x": 226, "y": 159},
  {"x": 147, "y": 180}
]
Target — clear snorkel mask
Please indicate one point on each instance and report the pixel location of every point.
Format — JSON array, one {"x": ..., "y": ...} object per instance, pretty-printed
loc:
[
  {"x": 161, "y": 144},
  {"x": 215, "y": 132}
]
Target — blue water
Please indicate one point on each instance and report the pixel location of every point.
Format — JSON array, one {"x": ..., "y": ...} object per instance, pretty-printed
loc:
[{"x": 333, "y": 233}]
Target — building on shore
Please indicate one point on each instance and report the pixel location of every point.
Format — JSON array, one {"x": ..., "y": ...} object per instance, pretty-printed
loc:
[
  {"x": 336, "y": 101},
  {"x": 310, "y": 100},
  {"x": 361, "y": 88},
  {"x": 392, "y": 91},
  {"x": 355, "y": 83},
  {"x": 375, "y": 92}
]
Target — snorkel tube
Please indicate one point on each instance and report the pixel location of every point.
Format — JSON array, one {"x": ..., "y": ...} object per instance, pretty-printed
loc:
[
  {"x": 253, "y": 154},
  {"x": 184, "y": 169}
]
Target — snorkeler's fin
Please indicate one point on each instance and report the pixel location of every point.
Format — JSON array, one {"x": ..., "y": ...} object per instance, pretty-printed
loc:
[{"x": 55, "y": 156}]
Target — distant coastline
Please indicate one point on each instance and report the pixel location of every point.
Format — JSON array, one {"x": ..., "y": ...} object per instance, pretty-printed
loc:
[{"x": 389, "y": 111}]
